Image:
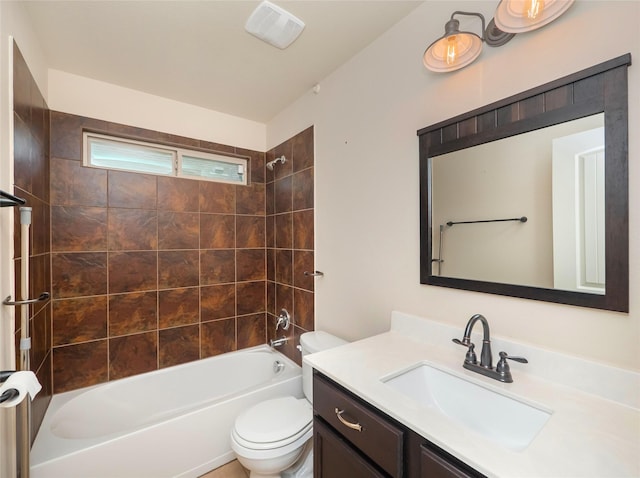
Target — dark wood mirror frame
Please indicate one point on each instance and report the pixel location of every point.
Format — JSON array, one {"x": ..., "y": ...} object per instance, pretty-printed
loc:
[{"x": 599, "y": 89}]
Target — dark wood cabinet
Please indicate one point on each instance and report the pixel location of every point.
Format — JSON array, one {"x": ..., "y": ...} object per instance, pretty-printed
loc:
[
  {"x": 334, "y": 457},
  {"x": 354, "y": 439},
  {"x": 434, "y": 463},
  {"x": 375, "y": 436}
]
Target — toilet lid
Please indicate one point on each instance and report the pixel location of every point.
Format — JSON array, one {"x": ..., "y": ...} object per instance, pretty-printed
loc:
[{"x": 274, "y": 420}]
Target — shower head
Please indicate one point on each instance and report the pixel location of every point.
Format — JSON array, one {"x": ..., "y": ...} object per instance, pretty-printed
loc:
[{"x": 281, "y": 159}]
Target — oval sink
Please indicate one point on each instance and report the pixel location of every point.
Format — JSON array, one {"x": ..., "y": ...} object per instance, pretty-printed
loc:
[{"x": 505, "y": 420}]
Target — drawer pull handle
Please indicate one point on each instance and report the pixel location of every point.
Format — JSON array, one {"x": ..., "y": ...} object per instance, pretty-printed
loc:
[{"x": 354, "y": 426}]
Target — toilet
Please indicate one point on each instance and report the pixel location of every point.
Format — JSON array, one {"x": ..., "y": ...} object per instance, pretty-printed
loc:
[{"x": 272, "y": 439}]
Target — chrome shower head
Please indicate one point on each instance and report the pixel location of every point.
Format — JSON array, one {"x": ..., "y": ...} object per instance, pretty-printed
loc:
[{"x": 270, "y": 164}]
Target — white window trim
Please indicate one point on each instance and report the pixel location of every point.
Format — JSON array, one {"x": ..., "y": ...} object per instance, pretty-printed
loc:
[{"x": 177, "y": 153}]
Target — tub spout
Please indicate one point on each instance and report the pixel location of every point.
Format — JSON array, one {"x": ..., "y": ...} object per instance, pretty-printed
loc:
[{"x": 278, "y": 342}]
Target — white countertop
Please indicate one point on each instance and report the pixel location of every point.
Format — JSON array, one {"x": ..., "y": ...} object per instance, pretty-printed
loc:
[{"x": 588, "y": 434}]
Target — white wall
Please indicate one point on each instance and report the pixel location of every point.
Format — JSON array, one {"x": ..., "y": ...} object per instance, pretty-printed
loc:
[
  {"x": 13, "y": 23},
  {"x": 367, "y": 232},
  {"x": 96, "y": 99}
]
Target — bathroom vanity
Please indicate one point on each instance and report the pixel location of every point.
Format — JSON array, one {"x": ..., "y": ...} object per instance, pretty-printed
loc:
[
  {"x": 401, "y": 404},
  {"x": 353, "y": 438}
]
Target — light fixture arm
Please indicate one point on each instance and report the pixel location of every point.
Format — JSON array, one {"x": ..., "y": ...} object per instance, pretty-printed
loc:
[
  {"x": 491, "y": 34},
  {"x": 449, "y": 27},
  {"x": 456, "y": 49}
]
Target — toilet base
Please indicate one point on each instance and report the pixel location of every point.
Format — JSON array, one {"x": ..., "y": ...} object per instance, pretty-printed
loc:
[
  {"x": 303, "y": 468},
  {"x": 254, "y": 474},
  {"x": 270, "y": 467}
]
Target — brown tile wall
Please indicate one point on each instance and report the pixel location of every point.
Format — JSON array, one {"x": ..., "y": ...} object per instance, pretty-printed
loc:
[
  {"x": 150, "y": 271},
  {"x": 289, "y": 239},
  {"x": 31, "y": 168},
  {"x": 147, "y": 272}
]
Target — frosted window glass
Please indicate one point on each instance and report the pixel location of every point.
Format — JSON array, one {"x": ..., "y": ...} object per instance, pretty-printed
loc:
[
  {"x": 212, "y": 169},
  {"x": 131, "y": 157}
]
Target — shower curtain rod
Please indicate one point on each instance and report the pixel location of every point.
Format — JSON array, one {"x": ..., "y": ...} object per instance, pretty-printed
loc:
[
  {"x": 9, "y": 200},
  {"x": 521, "y": 219}
]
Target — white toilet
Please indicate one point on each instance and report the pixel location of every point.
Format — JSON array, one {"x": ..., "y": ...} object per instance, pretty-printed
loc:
[{"x": 274, "y": 436}]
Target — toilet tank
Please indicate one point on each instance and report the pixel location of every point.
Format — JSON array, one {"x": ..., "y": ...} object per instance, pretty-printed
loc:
[{"x": 312, "y": 342}]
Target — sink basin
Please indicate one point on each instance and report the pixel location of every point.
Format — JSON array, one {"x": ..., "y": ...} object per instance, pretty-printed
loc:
[{"x": 505, "y": 420}]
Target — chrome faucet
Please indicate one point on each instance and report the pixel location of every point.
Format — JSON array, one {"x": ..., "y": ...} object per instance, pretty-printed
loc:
[{"x": 485, "y": 367}]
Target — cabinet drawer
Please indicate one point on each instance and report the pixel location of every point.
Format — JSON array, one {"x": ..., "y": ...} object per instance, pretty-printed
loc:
[{"x": 376, "y": 437}]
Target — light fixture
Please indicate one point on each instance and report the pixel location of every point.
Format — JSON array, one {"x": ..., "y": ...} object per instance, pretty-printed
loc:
[
  {"x": 456, "y": 49},
  {"x": 519, "y": 16}
]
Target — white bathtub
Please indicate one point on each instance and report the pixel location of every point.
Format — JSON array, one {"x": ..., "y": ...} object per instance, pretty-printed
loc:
[{"x": 173, "y": 422}]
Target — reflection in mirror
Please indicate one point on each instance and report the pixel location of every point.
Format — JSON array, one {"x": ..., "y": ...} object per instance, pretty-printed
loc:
[
  {"x": 578, "y": 206},
  {"x": 552, "y": 178}
]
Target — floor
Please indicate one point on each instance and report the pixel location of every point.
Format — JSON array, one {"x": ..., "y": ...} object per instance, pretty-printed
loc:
[{"x": 230, "y": 470}]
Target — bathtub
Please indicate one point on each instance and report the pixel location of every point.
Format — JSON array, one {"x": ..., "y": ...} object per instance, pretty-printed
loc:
[{"x": 173, "y": 422}]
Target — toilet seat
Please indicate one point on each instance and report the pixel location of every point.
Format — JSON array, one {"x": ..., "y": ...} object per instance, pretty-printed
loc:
[{"x": 274, "y": 423}]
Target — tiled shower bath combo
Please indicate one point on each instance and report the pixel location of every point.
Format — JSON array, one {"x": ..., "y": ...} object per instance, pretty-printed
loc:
[
  {"x": 151, "y": 271},
  {"x": 148, "y": 272}
]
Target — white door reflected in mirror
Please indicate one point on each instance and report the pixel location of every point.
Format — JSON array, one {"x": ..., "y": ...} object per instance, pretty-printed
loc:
[{"x": 579, "y": 212}]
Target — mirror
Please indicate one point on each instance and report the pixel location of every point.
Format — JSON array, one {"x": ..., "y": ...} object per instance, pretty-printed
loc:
[
  {"x": 527, "y": 197},
  {"x": 544, "y": 176}
]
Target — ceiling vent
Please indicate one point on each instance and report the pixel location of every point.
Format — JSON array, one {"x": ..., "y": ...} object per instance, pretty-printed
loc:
[{"x": 274, "y": 25}]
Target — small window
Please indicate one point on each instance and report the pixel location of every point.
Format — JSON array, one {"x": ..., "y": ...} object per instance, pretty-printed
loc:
[
  {"x": 212, "y": 166},
  {"x": 108, "y": 152},
  {"x": 116, "y": 154}
]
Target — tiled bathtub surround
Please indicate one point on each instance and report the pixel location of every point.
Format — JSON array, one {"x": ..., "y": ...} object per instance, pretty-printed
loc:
[
  {"x": 31, "y": 167},
  {"x": 151, "y": 271},
  {"x": 290, "y": 238}
]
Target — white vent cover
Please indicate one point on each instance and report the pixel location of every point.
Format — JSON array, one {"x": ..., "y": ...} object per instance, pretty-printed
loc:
[{"x": 274, "y": 25}]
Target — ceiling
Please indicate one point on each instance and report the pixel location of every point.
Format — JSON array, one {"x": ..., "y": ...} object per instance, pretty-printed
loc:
[{"x": 198, "y": 52}]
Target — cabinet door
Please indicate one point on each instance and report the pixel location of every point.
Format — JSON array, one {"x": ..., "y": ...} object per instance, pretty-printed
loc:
[
  {"x": 435, "y": 465},
  {"x": 333, "y": 457}
]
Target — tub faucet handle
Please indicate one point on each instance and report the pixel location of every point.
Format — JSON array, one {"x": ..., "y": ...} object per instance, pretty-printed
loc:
[{"x": 284, "y": 319}]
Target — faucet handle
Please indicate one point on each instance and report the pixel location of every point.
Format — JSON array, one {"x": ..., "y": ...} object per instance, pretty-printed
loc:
[
  {"x": 504, "y": 355},
  {"x": 502, "y": 367},
  {"x": 470, "y": 357},
  {"x": 284, "y": 319}
]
